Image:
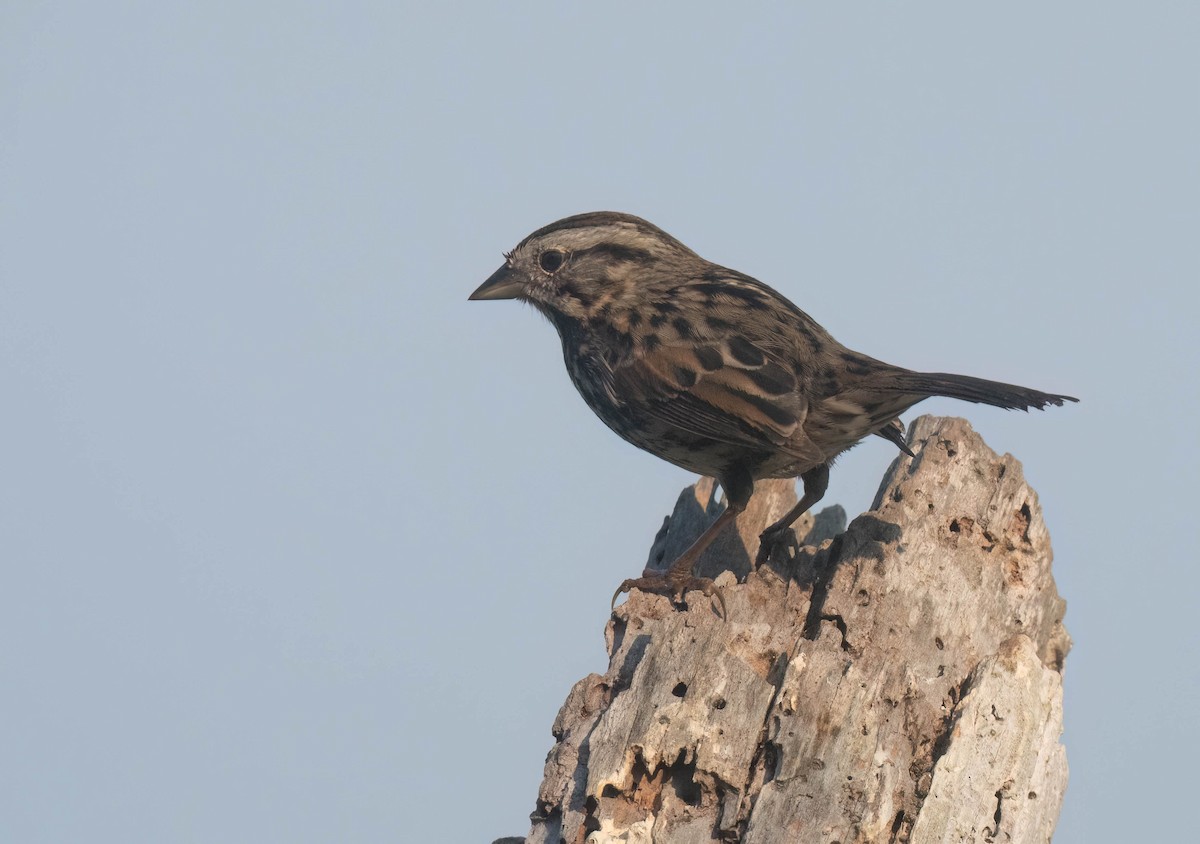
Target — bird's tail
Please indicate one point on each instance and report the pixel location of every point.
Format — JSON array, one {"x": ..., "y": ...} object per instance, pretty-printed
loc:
[{"x": 979, "y": 390}]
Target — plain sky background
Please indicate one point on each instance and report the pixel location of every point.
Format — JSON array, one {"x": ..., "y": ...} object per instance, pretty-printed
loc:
[{"x": 299, "y": 545}]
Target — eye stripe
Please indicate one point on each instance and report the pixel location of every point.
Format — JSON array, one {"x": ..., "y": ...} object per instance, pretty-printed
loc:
[{"x": 615, "y": 252}]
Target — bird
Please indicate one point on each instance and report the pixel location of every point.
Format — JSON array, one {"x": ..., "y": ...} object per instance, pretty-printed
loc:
[{"x": 712, "y": 370}]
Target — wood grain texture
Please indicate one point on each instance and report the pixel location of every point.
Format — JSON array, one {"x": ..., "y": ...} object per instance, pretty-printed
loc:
[{"x": 895, "y": 681}]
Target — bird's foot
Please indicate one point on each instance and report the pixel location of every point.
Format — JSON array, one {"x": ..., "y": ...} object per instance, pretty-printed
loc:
[
  {"x": 776, "y": 539},
  {"x": 673, "y": 586}
]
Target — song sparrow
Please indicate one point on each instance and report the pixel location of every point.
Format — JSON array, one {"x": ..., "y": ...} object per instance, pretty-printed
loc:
[{"x": 711, "y": 369}]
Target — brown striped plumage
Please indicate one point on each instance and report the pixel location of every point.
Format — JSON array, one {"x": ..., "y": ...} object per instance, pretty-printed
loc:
[{"x": 709, "y": 368}]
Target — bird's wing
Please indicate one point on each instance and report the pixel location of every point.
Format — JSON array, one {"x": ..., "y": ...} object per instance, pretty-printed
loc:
[{"x": 731, "y": 390}]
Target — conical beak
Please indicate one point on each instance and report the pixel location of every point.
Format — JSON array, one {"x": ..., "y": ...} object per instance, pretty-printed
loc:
[{"x": 503, "y": 284}]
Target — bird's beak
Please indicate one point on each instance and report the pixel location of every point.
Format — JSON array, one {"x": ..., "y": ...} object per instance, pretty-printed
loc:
[{"x": 503, "y": 284}]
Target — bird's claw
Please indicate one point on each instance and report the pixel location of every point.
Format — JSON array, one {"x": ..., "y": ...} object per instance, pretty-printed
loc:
[
  {"x": 769, "y": 541},
  {"x": 664, "y": 584}
]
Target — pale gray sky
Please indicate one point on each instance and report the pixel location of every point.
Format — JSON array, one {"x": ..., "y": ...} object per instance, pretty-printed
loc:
[{"x": 298, "y": 545}]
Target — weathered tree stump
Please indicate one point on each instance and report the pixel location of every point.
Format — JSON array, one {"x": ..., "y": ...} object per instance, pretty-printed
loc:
[{"x": 900, "y": 680}]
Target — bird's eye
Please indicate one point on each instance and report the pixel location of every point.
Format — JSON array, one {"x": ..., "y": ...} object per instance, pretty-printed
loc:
[{"x": 551, "y": 260}]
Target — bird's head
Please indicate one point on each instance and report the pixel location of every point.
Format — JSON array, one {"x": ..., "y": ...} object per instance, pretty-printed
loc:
[{"x": 575, "y": 267}]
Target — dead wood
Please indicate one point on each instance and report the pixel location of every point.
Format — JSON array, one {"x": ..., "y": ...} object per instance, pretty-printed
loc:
[{"x": 896, "y": 680}]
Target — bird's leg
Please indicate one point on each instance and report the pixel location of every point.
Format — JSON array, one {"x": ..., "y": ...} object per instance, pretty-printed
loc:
[
  {"x": 816, "y": 481},
  {"x": 678, "y": 578}
]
